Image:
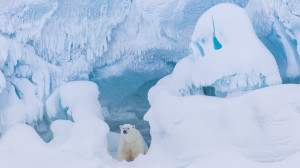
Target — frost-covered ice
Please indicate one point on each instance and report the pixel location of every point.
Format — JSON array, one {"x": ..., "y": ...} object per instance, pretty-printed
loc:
[
  {"x": 277, "y": 23},
  {"x": 19, "y": 104}
]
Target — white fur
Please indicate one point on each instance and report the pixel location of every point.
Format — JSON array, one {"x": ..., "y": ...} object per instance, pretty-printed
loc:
[{"x": 131, "y": 144}]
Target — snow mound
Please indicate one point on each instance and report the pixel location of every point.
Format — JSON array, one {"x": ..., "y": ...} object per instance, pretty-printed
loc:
[
  {"x": 78, "y": 142},
  {"x": 227, "y": 53},
  {"x": 78, "y": 99},
  {"x": 258, "y": 125}
]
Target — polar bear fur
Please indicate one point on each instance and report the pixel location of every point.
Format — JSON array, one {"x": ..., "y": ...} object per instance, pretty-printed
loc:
[{"x": 131, "y": 143}]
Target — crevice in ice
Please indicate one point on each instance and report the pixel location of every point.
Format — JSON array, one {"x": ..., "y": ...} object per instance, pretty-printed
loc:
[
  {"x": 200, "y": 48},
  {"x": 42, "y": 127},
  {"x": 209, "y": 91},
  {"x": 17, "y": 91},
  {"x": 217, "y": 44}
]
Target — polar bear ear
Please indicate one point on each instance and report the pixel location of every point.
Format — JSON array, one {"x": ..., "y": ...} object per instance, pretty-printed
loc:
[
  {"x": 120, "y": 126},
  {"x": 133, "y": 126}
]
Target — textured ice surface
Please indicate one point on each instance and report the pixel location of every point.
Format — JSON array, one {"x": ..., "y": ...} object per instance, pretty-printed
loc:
[
  {"x": 277, "y": 25},
  {"x": 19, "y": 104}
]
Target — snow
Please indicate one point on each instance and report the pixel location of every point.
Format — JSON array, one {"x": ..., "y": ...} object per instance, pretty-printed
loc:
[
  {"x": 257, "y": 126},
  {"x": 75, "y": 97},
  {"x": 82, "y": 140},
  {"x": 239, "y": 131}
]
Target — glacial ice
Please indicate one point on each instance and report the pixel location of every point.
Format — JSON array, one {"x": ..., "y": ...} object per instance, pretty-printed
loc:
[{"x": 277, "y": 25}]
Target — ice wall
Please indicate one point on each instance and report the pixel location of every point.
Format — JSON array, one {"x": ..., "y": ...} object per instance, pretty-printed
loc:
[
  {"x": 124, "y": 46},
  {"x": 277, "y": 25}
]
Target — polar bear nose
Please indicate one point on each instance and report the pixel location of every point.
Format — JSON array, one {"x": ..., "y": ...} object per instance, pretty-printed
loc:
[{"x": 125, "y": 132}]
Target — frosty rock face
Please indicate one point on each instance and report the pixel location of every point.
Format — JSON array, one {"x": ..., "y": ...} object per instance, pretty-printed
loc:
[{"x": 228, "y": 55}]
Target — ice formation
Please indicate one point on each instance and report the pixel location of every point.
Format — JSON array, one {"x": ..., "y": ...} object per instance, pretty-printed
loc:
[{"x": 222, "y": 40}]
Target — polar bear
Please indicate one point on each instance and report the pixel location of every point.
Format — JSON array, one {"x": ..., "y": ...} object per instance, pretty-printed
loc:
[{"x": 131, "y": 143}]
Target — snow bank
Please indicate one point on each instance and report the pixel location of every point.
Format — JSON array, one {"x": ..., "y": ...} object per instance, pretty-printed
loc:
[{"x": 227, "y": 53}]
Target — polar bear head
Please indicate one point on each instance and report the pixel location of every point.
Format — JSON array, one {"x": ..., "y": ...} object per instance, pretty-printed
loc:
[{"x": 128, "y": 132}]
